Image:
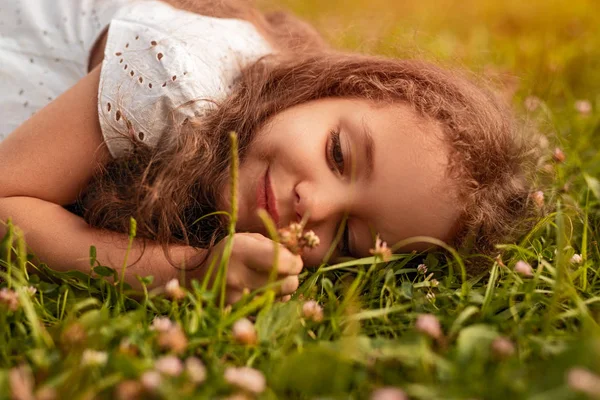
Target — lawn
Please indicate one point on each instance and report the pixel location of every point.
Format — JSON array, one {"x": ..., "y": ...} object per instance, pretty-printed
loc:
[{"x": 416, "y": 327}]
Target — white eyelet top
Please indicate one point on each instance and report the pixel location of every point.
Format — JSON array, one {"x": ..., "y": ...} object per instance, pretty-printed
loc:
[{"x": 161, "y": 64}]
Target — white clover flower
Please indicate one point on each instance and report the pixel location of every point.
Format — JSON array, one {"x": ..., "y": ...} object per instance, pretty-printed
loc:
[
  {"x": 583, "y": 107},
  {"x": 161, "y": 324},
  {"x": 243, "y": 331},
  {"x": 558, "y": 155},
  {"x": 523, "y": 268},
  {"x": 538, "y": 198},
  {"x": 21, "y": 382},
  {"x": 381, "y": 250},
  {"x": 311, "y": 239},
  {"x": 173, "y": 290},
  {"x": 430, "y": 296},
  {"x": 195, "y": 370},
  {"x": 585, "y": 381},
  {"x": 10, "y": 298},
  {"x": 246, "y": 378},
  {"x": 389, "y": 393},
  {"x": 92, "y": 358},
  {"x": 434, "y": 283},
  {"x": 169, "y": 365},
  {"x": 31, "y": 291},
  {"x": 429, "y": 325},
  {"x": 576, "y": 259},
  {"x": 312, "y": 310},
  {"x": 422, "y": 269},
  {"x": 503, "y": 347},
  {"x": 151, "y": 380}
]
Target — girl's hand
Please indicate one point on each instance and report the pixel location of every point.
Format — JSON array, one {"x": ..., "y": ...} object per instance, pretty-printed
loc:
[{"x": 251, "y": 264}]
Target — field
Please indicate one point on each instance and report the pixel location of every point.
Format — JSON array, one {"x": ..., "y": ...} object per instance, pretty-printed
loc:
[{"x": 525, "y": 329}]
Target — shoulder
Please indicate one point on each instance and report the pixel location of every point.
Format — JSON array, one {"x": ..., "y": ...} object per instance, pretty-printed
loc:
[{"x": 163, "y": 65}]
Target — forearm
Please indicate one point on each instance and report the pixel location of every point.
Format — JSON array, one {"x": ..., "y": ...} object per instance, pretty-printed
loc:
[{"x": 62, "y": 240}]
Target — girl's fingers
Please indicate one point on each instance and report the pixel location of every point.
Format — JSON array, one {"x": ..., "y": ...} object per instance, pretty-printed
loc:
[
  {"x": 251, "y": 279},
  {"x": 258, "y": 252}
]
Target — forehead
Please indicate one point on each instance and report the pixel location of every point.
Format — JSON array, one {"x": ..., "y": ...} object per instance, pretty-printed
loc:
[{"x": 408, "y": 193}]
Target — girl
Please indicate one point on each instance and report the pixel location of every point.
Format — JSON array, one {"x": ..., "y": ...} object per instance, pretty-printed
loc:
[{"x": 350, "y": 144}]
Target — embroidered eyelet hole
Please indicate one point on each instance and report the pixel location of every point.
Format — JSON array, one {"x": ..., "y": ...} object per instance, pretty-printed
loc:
[
  {"x": 121, "y": 61},
  {"x": 150, "y": 85},
  {"x": 118, "y": 115},
  {"x": 159, "y": 56},
  {"x": 185, "y": 73},
  {"x": 164, "y": 84},
  {"x": 125, "y": 67},
  {"x": 141, "y": 80},
  {"x": 137, "y": 37},
  {"x": 108, "y": 106},
  {"x": 174, "y": 77},
  {"x": 153, "y": 43},
  {"x": 131, "y": 73},
  {"x": 118, "y": 53},
  {"x": 141, "y": 135},
  {"x": 127, "y": 45}
]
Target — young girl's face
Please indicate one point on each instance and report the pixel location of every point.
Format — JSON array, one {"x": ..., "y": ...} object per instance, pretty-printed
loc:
[{"x": 381, "y": 165}]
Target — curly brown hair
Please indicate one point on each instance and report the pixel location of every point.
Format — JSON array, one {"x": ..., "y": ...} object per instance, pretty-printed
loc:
[{"x": 168, "y": 188}]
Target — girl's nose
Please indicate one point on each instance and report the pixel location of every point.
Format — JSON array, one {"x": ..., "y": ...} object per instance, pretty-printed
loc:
[{"x": 321, "y": 203}]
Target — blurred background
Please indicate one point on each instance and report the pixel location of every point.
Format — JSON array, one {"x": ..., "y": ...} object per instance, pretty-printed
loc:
[{"x": 547, "y": 48}]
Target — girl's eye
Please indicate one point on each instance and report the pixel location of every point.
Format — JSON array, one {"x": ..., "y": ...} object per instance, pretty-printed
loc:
[{"x": 335, "y": 154}]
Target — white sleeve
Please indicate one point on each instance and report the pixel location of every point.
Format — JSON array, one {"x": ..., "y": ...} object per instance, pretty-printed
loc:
[{"x": 162, "y": 65}]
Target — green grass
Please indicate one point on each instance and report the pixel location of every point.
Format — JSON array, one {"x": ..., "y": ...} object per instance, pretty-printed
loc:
[{"x": 368, "y": 339}]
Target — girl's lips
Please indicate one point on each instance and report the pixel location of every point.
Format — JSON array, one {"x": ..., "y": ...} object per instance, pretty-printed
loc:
[{"x": 265, "y": 197}]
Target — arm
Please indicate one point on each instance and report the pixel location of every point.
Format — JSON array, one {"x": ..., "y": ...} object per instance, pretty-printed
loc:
[{"x": 44, "y": 164}]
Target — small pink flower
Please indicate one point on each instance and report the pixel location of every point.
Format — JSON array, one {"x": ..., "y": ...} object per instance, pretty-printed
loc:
[
  {"x": 381, "y": 250},
  {"x": 195, "y": 370},
  {"x": 429, "y": 325},
  {"x": 523, "y": 268},
  {"x": 21, "y": 382},
  {"x": 128, "y": 390},
  {"x": 161, "y": 324},
  {"x": 151, "y": 380},
  {"x": 583, "y": 107},
  {"x": 389, "y": 393},
  {"x": 173, "y": 339},
  {"x": 243, "y": 331},
  {"x": 576, "y": 259},
  {"x": 10, "y": 298},
  {"x": 538, "y": 198},
  {"x": 93, "y": 358},
  {"x": 173, "y": 290},
  {"x": 558, "y": 155},
  {"x": 246, "y": 378},
  {"x": 312, "y": 310},
  {"x": 169, "y": 365},
  {"x": 422, "y": 269},
  {"x": 503, "y": 347},
  {"x": 585, "y": 381},
  {"x": 311, "y": 239}
]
